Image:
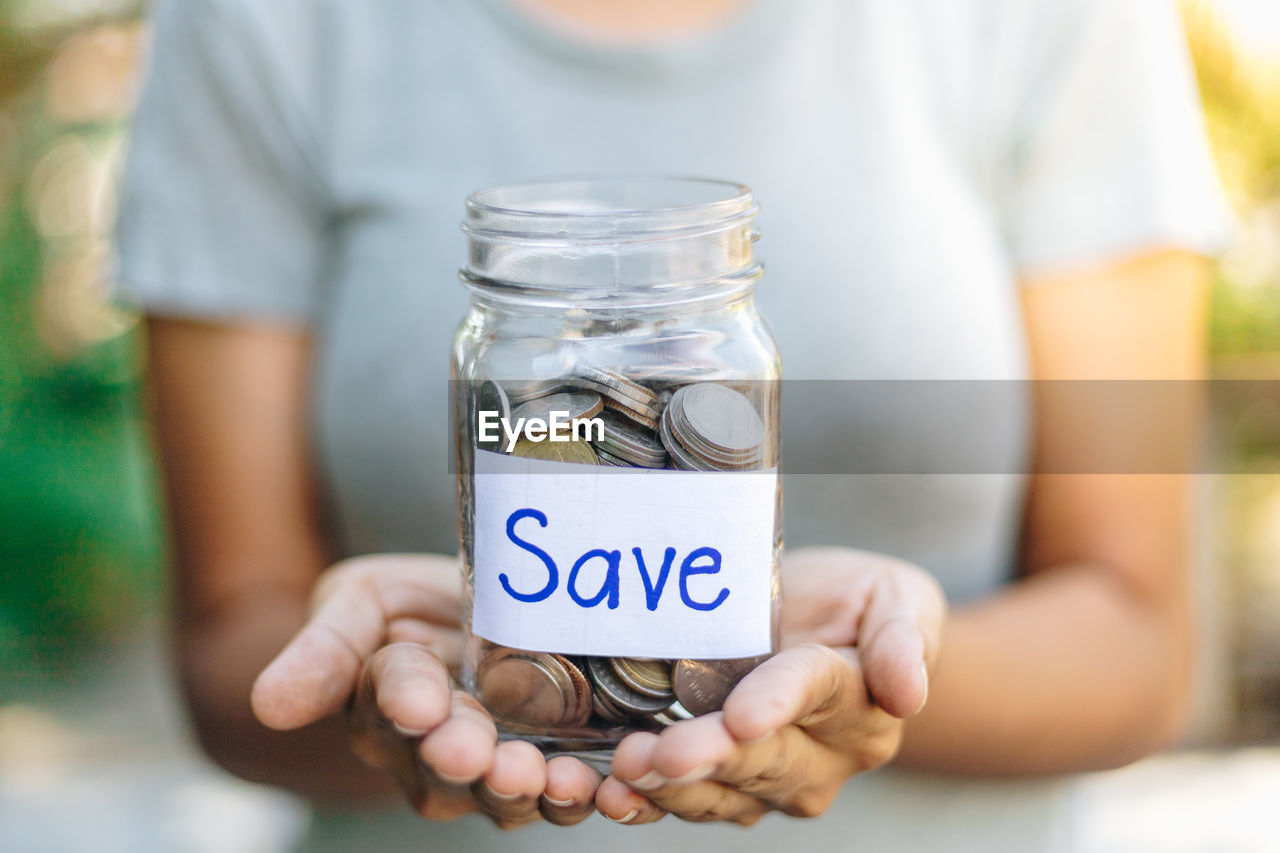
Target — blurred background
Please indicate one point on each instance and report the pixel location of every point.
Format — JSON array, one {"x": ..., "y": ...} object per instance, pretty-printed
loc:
[{"x": 93, "y": 748}]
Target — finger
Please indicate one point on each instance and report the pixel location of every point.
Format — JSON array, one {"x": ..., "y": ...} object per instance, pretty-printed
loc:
[
  {"x": 351, "y": 608},
  {"x": 898, "y": 637},
  {"x": 512, "y": 788},
  {"x": 698, "y": 771},
  {"x": 571, "y": 791},
  {"x": 445, "y": 642},
  {"x": 461, "y": 749},
  {"x": 616, "y": 801},
  {"x": 801, "y": 685},
  {"x": 410, "y": 688}
]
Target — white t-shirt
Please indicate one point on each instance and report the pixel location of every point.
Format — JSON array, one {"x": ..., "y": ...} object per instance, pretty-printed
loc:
[{"x": 307, "y": 160}]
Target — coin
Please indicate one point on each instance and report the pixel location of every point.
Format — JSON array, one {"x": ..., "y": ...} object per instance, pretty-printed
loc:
[
  {"x": 617, "y": 381},
  {"x": 619, "y": 694},
  {"x": 631, "y": 443},
  {"x": 491, "y": 398},
  {"x": 647, "y": 407},
  {"x": 571, "y": 405},
  {"x": 643, "y": 420},
  {"x": 651, "y": 677},
  {"x": 579, "y": 710},
  {"x": 523, "y": 391},
  {"x": 703, "y": 685},
  {"x": 606, "y": 709},
  {"x": 609, "y": 459},
  {"x": 719, "y": 419},
  {"x": 529, "y": 688},
  {"x": 578, "y": 452},
  {"x": 679, "y": 455}
]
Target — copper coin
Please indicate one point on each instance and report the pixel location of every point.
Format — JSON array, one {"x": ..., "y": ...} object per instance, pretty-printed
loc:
[
  {"x": 579, "y": 710},
  {"x": 529, "y": 688},
  {"x": 703, "y": 685}
]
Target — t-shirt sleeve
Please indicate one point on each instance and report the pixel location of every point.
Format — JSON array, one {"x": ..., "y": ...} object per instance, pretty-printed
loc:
[
  {"x": 1106, "y": 151},
  {"x": 222, "y": 210}
]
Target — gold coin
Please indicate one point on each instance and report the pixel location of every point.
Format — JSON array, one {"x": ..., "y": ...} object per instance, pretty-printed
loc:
[
  {"x": 651, "y": 677},
  {"x": 578, "y": 452}
]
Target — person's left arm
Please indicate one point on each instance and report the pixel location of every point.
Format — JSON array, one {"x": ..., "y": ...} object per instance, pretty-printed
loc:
[{"x": 1082, "y": 664}]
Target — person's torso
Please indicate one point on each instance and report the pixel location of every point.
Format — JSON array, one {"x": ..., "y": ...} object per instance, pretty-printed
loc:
[{"x": 884, "y": 260}]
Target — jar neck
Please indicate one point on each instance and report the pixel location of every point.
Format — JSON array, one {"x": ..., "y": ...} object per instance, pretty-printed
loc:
[
  {"x": 612, "y": 243},
  {"x": 689, "y": 298}
]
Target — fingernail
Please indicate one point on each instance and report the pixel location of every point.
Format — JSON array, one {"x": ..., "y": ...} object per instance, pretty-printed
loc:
[
  {"x": 653, "y": 779},
  {"x": 506, "y": 798},
  {"x": 561, "y": 803},
  {"x": 626, "y": 818},
  {"x": 924, "y": 674},
  {"x": 649, "y": 781},
  {"x": 404, "y": 731}
]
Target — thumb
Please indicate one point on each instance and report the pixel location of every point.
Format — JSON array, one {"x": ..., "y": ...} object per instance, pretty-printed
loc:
[
  {"x": 316, "y": 672},
  {"x": 898, "y": 638}
]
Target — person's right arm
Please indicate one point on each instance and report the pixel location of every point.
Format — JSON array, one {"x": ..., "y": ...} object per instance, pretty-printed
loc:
[
  {"x": 227, "y": 406},
  {"x": 376, "y": 633}
]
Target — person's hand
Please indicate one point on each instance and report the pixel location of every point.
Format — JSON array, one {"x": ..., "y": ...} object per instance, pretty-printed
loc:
[
  {"x": 382, "y": 638},
  {"x": 860, "y": 641}
]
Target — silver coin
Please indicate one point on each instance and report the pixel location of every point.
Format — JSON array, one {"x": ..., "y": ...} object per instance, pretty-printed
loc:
[
  {"x": 636, "y": 441},
  {"x": 491, "y": 398},
  {"x": 523, "y": 390},
  {"x": 619, "y": 694},
  {"x": 679, "y": 455},
  {"x": 618, "y": 382},
  {"x": 606, "y": 709},
  {"x": 572, "y": 404},
  {"x": 609, "y": 459},
  {"x": 631, "y": 455},
  {"x": 719, "y": 418},
  {"x": 634, "y": 416},
  {"x": 619, "y": 396}
]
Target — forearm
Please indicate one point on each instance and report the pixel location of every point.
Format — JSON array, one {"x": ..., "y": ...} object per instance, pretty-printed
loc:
[
  {"x": 1066, "y": 671},
  {"x": 222, "y": 654}
]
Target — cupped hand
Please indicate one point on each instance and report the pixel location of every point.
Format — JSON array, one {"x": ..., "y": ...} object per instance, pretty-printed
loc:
[
  {"x": 860, "y": 641},
  {"x": 382, "y": 639}
]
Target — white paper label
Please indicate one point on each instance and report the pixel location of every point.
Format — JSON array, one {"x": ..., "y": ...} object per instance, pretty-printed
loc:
[{"x": 588, "y": 560}]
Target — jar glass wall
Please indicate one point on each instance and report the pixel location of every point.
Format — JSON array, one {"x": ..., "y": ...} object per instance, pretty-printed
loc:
[{"x": 616, "y": 424}]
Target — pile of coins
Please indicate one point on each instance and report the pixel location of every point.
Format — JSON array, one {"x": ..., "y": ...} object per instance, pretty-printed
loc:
[
  {"x": 544, "y": 691},
  {"x": 701, "y": 426}
]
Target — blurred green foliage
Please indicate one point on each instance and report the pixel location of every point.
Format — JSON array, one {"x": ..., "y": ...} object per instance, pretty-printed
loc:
[{"x": 80, "y": 554}]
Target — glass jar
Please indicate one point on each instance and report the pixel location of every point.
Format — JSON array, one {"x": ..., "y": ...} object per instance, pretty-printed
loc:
[{"x": 616, "y": 427}]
